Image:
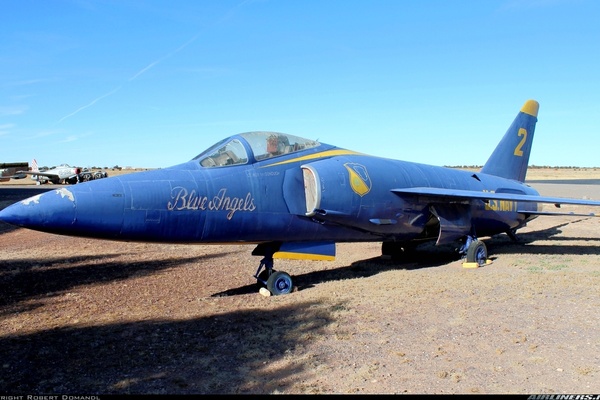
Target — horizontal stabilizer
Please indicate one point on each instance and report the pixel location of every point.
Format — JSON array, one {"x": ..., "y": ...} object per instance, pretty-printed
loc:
[
  {"x": 323, "y": 251},
  {"x": 468, "y": 195}
]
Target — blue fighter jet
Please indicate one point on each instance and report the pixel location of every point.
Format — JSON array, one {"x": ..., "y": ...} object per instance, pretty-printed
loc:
[{"x": 295, "y": 198}]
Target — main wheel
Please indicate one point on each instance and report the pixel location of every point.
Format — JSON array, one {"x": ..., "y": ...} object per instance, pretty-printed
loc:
[
  {"x": 477, "y": 252},
  {"x": 396, "y": 251},
  {"x": 279, "y": 283}
]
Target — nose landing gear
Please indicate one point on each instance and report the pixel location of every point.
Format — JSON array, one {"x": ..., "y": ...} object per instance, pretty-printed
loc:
[{"x": 276, "y": 282}]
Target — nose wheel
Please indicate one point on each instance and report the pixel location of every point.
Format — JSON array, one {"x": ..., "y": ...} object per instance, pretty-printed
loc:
[
  {"x": 276, "y": 282},
  {"x": 279, "y": 283}
]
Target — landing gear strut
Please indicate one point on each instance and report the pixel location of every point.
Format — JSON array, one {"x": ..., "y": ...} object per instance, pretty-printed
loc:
[{"x": 276, "y": 282}]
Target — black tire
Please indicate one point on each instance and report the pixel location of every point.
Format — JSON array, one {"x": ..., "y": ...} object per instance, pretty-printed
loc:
[
  {"x": 85, "y": 177},
  {"x": 279, "y": 283},
  {"x": 397, "y": 251},
  {"x": 477, "y": 252},
  {"x": 263, "y": 277}
]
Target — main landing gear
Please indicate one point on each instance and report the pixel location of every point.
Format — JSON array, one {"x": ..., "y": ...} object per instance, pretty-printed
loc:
[
  {"x": 475, "y": 253},
  {"x": 276, "y": 282}
]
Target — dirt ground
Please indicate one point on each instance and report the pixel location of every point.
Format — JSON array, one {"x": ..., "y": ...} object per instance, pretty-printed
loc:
[{"x": 84, "y": 316}]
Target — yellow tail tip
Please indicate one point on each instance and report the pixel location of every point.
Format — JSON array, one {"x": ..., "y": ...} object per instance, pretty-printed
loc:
[{"x": 531, "y": 107}]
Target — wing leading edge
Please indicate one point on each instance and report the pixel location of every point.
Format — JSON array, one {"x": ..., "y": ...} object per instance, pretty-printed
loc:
[
  {"x": 468, "y": 195},
  {"x": 49, "y": 175}
]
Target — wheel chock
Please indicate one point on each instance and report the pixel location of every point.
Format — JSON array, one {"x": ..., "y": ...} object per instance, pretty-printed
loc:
[
  {"x": 264, "y": 291},
  {"x": 474, "y": 264}
]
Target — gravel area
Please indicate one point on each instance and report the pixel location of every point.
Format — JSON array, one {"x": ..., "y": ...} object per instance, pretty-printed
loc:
[{"x": 83, "y": 316}]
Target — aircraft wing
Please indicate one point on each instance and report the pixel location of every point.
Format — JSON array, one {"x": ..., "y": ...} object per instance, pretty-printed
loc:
[
  {"x": 18, "y": 175},
  {"x": 48, "y": 174},
  {"x": 458, "y": 195},
  {"x": 10, "y": 171}
]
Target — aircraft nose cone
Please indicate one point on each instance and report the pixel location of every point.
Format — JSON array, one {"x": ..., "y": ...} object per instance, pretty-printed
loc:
[
  {"x": 81, "y": 210},
  {"x": 42, "y": 210}
]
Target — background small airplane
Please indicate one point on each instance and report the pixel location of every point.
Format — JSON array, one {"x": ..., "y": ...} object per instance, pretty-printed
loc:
[
  {"x": 64, "y": 173},
  {"x": 8, "y": 171},
  {"x": 295, "y": 198},
  {"x": 87, "y": 174}
]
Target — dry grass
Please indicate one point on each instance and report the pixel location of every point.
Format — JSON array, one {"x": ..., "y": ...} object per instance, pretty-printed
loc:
[{"x": 83, "y": 316}]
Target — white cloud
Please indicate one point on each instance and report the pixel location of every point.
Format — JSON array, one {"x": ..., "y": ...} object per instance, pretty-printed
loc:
[
  {"x": 6, "y": 128},
  {"x": 90, "y": 104},
  {"x": 12, "y": 110},
  {"x": 73, "y": 138}
]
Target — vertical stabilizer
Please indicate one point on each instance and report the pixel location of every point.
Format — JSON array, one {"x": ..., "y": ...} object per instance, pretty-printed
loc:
[{"x": 511, "y": 156}]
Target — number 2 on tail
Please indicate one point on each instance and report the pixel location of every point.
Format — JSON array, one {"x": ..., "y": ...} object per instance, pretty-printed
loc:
[{"x": 518, "y": 149}]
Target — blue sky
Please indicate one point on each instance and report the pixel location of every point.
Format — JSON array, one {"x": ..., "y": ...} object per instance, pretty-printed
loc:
[{"x": 153, "y": 83}]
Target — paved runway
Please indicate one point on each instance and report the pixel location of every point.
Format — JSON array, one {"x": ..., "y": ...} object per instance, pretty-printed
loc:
[
  {"x": 12, "y": 193},
  {"x": 575, "y": 188}
]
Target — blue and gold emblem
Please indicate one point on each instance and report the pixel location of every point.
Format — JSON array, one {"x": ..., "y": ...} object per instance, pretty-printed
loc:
[{"x": 359, "y": 178}]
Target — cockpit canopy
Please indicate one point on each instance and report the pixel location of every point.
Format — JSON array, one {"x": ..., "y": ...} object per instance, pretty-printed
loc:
[{"x": 252, "y": 146}]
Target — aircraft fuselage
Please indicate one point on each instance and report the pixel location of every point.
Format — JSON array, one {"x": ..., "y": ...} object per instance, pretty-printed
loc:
[{"x": 322, "y": 194}]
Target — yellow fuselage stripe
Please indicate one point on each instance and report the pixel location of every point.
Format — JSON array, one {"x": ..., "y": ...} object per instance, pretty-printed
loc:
[{"x": 323, "y": 154}]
